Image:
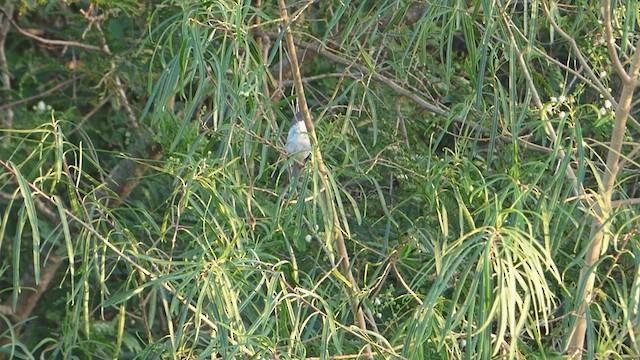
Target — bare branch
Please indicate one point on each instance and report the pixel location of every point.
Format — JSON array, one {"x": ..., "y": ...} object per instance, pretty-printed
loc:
[
  {"x": 52, "y": 42},
  {"x": 625, "y": 202},
  {"x": 41, "y": 95},
  {"x": 611, "y": 42}
]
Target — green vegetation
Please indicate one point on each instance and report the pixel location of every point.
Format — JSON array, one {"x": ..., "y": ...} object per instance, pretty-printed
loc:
[{"x": 473, "y": 190}]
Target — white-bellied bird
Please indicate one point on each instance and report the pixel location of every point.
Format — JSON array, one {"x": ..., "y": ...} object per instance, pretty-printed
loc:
[{"x": 298, "y": 143}]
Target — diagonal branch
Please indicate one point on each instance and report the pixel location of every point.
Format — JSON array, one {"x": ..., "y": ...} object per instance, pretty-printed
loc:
[
  {"x": 416, "y": 98},
  {"x": 40, "y": 95},
  {"x": 611, "y": 42},
  {"x": 49, "y": 41},
  {"x": 340, "y": 242}
]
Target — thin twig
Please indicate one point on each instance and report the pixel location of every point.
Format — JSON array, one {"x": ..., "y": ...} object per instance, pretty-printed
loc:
[
  {"x": 40, "y": 95},
  {"x": 611, "y": 42},
  {"x": 133, "y": 120},
  {"x": 86, "y": 118},
  {"x": 400, "y": 123},
  {"x": 309, "y": 79},
  {"x": 52, "y": 42}
]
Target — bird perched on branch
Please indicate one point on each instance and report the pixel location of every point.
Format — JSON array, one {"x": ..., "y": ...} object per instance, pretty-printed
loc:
[{"x": 298, "y": 144}]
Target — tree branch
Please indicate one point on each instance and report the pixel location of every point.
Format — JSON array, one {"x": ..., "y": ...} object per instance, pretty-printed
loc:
[
  {"x": 601, "y": 225},
  {"x": 40, "y": 95},
  {"x": 52, "y": 42},
  {"x": 611, "y": 42}
]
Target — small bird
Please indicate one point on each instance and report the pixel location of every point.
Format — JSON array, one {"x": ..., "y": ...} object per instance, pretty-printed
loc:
[{"x": 298, "y": 143}]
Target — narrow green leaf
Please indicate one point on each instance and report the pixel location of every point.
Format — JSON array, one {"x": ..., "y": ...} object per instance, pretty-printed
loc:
[
  {"x": 67, "y": 238},
  {"x": 33, "y": 219},
  {"x": 17, "y": 245},
  {"x": 5, "y": 219}
]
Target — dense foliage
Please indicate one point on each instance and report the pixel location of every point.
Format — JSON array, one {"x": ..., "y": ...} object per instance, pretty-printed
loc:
[{"x": 473, "y": 190}]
